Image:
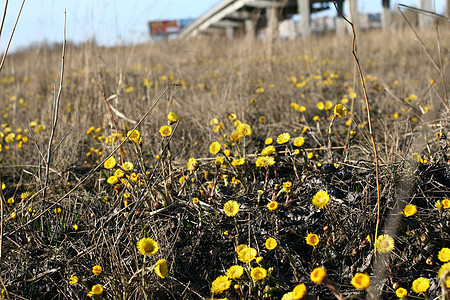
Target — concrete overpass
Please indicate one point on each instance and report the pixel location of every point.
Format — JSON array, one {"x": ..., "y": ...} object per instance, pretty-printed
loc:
[{"x": 245, "y": 17}]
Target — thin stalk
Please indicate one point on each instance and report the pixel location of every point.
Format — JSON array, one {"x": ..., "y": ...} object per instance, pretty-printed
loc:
[
  {"x": 369, "y": 119},
  {"x": 12, "y": 32},
  {"x": 55, "y": 113}
]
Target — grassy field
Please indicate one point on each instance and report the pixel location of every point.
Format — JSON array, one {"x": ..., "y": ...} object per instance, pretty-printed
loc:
[{"x": 250, "y": 174}]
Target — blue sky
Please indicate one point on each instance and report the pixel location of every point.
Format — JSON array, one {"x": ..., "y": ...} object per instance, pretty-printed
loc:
[{"x": 113, "y": 21}]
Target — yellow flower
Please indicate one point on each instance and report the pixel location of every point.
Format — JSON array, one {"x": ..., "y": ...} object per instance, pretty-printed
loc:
[
  {"x": 134, "y": 177},
  {"x": 320, "y": 105},
  {"x": 13, "y": 215},
  {"x": 361, "y": 281},
  {"x": 340, "y": 110},
  {"x": 444, "y": 255},
  {"x": 147, "y": 246},
  {"x": 311, "y": 155},
  {"x": 443, "y": 268},
  {"x": 238, "y": 162},
  {"x": 231, "y": 208},
  {"x": 57, "y": 210},
  {"x": 247, "y": 254},
  {"x": 97, "y": 289},
  {"x": 73, "y": 279},
  {"x": 134, "y": 136},
  {"x": 268, "y": 141},
  {"x": 240, "y": 247},
  {"x": 112, "y": 180},
  {"x": 192, "y": 164},
  {"x": 446, "y": 203},
  {"x": 287, "y": 296},
  {"x": 318, "y": 275},
  {"x": 321, "y": 199},
  {"x": 265, "y": 161},
  {"x": 235, "y": 136},
  {"x": 119, "y": 173},
  {"x": 283, "y": 138},
  {"x": 328, "y": 105},
  {"x": 90, "y": 130},
  {"x": 160, "y": 268},
  {"x": 195, "y": 200},
  {"x": 235, "y": 272},
  {"x": 299, "y": 141},
  {"x": 3, "y": 186},
  {"x": 299, "y": 291},
  {"x": 269, "y": 150},
  {"x": 232, "y": 117},
  {"x": 219, "y": 161},
  {"x": 384, "y": 243},
  {"x": 410, "y": 210},
  {"x": 221, "y": 284},
  {"x": 420, "y": 285},
  {"x": 244, "y": 129},
  {"x": 110, "y": 163},
  {"x": 165, "y": 131},
  {"x": 312, "y": 239},
  {"x": 401, "y": 292},
  {"x": 172, "y": 117},
  {"x": 127, "y": 166},
  {"x": 258, "y": 273},
  {"x": 214, "y": 148},
  {"x": 97, "y": 270},
  {"x": 272, "y": 205},
  {"x": 316, "y": 118},
  {"x": 287, "y": 186},
  {"x": 258, "y": 259},
  {"x": 262, "y": 119},
  {"x": 271, "y": 243},
  {"x": 26, "y": 195}
]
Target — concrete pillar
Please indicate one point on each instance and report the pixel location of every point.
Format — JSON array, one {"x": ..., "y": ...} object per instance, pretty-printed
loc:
[
  {"x": 229, "y": 32},
  {"x": 272, "y": 23},
  {"x": 340, "y": 22},
  {"x": 425, "y": 20},
  {"x": 386, "y": 15},
  {"x": 249, "y": 29},
  {"x": 447, "y": 8},
  {"x": 352, "y": 13},
  {"x": 304, "y": 10}
]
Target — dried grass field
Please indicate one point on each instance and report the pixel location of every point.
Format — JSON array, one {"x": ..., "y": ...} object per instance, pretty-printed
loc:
[{"x": 216, "y": 169}]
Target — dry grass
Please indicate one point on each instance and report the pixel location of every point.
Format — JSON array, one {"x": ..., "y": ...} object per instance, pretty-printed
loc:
[{"x": 41, "y": 249}]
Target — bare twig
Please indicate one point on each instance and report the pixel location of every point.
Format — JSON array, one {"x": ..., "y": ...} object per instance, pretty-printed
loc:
[
  {"x": 55, "y": 111},
  {"x": 12, "y": 32},
  {"x": 369, "y": 119}
]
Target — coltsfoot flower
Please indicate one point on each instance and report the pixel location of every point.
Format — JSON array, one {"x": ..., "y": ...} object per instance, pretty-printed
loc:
[
  {"x": 258, "y": 273},
  {"x": 384, "y": 243},
  {"x": 321, "y": 199},
  {"x": 161, "y": 268},
  {"x": 312, "y": 239},
  {"x": 361, "y": 281},
  {"x": 231, "y": 208},
  {"x": 420, "y": 285},
  {"x": 147, "y": 246},
  {"x": 318, "y": 275},
  {"x": 271, "y": 243},
  {"x": 221, "y": 284}
]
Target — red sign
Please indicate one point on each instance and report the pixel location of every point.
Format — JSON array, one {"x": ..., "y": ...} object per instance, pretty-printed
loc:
[{"x": 164, "y": 27}]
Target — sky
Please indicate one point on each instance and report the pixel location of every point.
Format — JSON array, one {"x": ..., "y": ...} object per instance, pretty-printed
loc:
[{"x": 113, "y": 22}]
